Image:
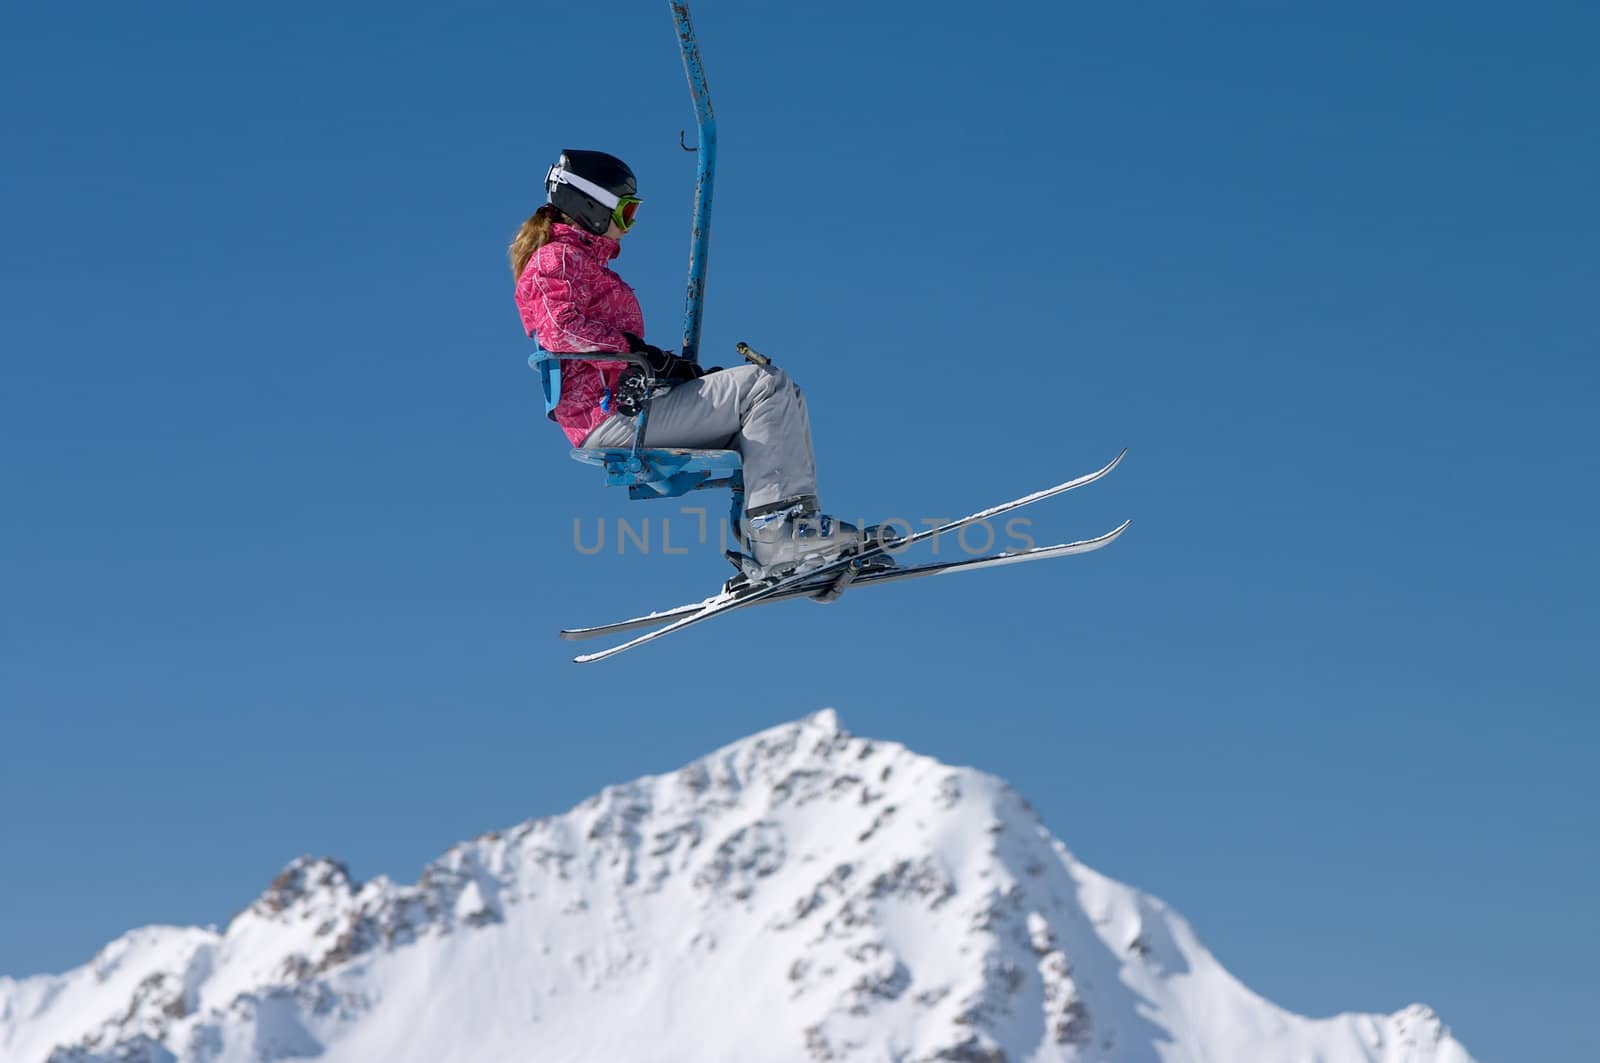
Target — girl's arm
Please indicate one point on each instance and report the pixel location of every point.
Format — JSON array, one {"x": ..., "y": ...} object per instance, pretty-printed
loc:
[{"x": 560, "y": 281}]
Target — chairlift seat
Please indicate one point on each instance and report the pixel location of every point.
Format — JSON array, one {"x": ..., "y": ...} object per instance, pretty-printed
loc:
[
  {"x": 647, "y": 472},
  {"x": 665, "y": 472}
]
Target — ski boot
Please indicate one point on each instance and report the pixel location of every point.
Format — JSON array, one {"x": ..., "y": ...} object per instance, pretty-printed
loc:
[
  {"x": 800, "y": 538},
  {"x": 790, "y": 542}
]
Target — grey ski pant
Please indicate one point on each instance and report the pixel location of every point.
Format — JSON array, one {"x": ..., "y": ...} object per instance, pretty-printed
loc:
[{"x": 756, "y": 410}]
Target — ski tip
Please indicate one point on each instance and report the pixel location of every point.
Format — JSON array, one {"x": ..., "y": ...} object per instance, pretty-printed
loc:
[
  {"x": 1114, "y": 534},
  {"x": 1102, "y": 470}
]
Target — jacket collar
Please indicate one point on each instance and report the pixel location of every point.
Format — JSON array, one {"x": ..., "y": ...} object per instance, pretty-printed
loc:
[{"x": 602, "y": 247}]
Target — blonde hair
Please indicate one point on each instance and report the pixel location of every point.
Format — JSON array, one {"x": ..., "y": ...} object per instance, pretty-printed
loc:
[{"x": 534, "y": 234}]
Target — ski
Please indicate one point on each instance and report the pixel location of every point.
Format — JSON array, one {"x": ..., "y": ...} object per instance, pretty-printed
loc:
[
  {"x": 648, "y": 620},
  {"x": 973, "y": 564},
  {"x": 869, "y": 579},
  {"x": 719, "y": 604}
]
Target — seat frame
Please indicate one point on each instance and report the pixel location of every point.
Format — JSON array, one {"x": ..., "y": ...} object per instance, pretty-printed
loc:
[{"x": 647, "y": 472}]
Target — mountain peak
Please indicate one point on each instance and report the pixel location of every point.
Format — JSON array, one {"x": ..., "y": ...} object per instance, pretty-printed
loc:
[
  {"x": 799, "y": 894},
  {"x": 304, "y": 879},
  {"x": 824, "y": 720}
]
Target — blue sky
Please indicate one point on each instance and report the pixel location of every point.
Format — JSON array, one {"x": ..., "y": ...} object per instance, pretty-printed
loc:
[{"x": 286, "y": 541}]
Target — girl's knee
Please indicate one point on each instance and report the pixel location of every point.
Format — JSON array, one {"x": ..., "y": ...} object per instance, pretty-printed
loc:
[
  {"x": 777, "y": 379},
  {"x": 764, "y": 382}
]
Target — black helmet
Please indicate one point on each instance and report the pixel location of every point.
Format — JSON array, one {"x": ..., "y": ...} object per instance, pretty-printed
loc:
[{"x": 586, "y": 186}]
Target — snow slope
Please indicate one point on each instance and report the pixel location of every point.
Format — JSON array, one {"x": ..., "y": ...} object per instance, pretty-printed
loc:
[{"x": 799, "y": 895}]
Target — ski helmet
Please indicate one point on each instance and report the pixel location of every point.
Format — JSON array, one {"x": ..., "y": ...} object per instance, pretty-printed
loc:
[{"x": 589, "y": 186}]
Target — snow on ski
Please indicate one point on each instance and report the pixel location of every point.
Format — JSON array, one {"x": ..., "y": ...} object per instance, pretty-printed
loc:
[{"x": 722, "y": 604}]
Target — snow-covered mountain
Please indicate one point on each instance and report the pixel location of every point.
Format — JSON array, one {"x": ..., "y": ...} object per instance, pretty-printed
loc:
[{"x": 799, "y": 895}]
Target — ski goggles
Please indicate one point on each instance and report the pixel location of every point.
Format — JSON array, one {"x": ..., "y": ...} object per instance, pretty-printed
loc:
[
  {"x": 623, "y": 208},
  {"x": 627, "y": 207}
]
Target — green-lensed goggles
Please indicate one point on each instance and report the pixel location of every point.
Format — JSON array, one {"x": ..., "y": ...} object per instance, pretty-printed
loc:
[{"x": 627, "y": 207}]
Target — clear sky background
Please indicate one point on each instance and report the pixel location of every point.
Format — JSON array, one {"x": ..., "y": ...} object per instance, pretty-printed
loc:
[{"x": 286, "y": 541}]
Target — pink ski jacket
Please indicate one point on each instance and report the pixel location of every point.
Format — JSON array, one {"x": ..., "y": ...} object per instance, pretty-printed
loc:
[{"x": 571, "y": 301}]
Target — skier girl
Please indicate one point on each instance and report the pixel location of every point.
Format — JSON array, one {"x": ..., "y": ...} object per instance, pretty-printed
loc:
[{"x": 572, "y": 302}]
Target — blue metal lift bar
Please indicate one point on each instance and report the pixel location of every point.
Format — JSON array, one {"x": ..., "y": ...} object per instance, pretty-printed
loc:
[{"x": 706, "y": 170}]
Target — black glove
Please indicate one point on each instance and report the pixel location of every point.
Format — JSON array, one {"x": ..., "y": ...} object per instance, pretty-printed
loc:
[
  {"x": 664, "y": 365},
  {"x": 632, "y": 392}
]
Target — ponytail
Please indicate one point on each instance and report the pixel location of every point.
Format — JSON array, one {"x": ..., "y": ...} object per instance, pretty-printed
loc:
[{"x": 534, "y": 234}]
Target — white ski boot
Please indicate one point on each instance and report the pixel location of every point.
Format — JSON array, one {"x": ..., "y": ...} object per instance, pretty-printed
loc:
[{"x": 796, "y": 539}]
